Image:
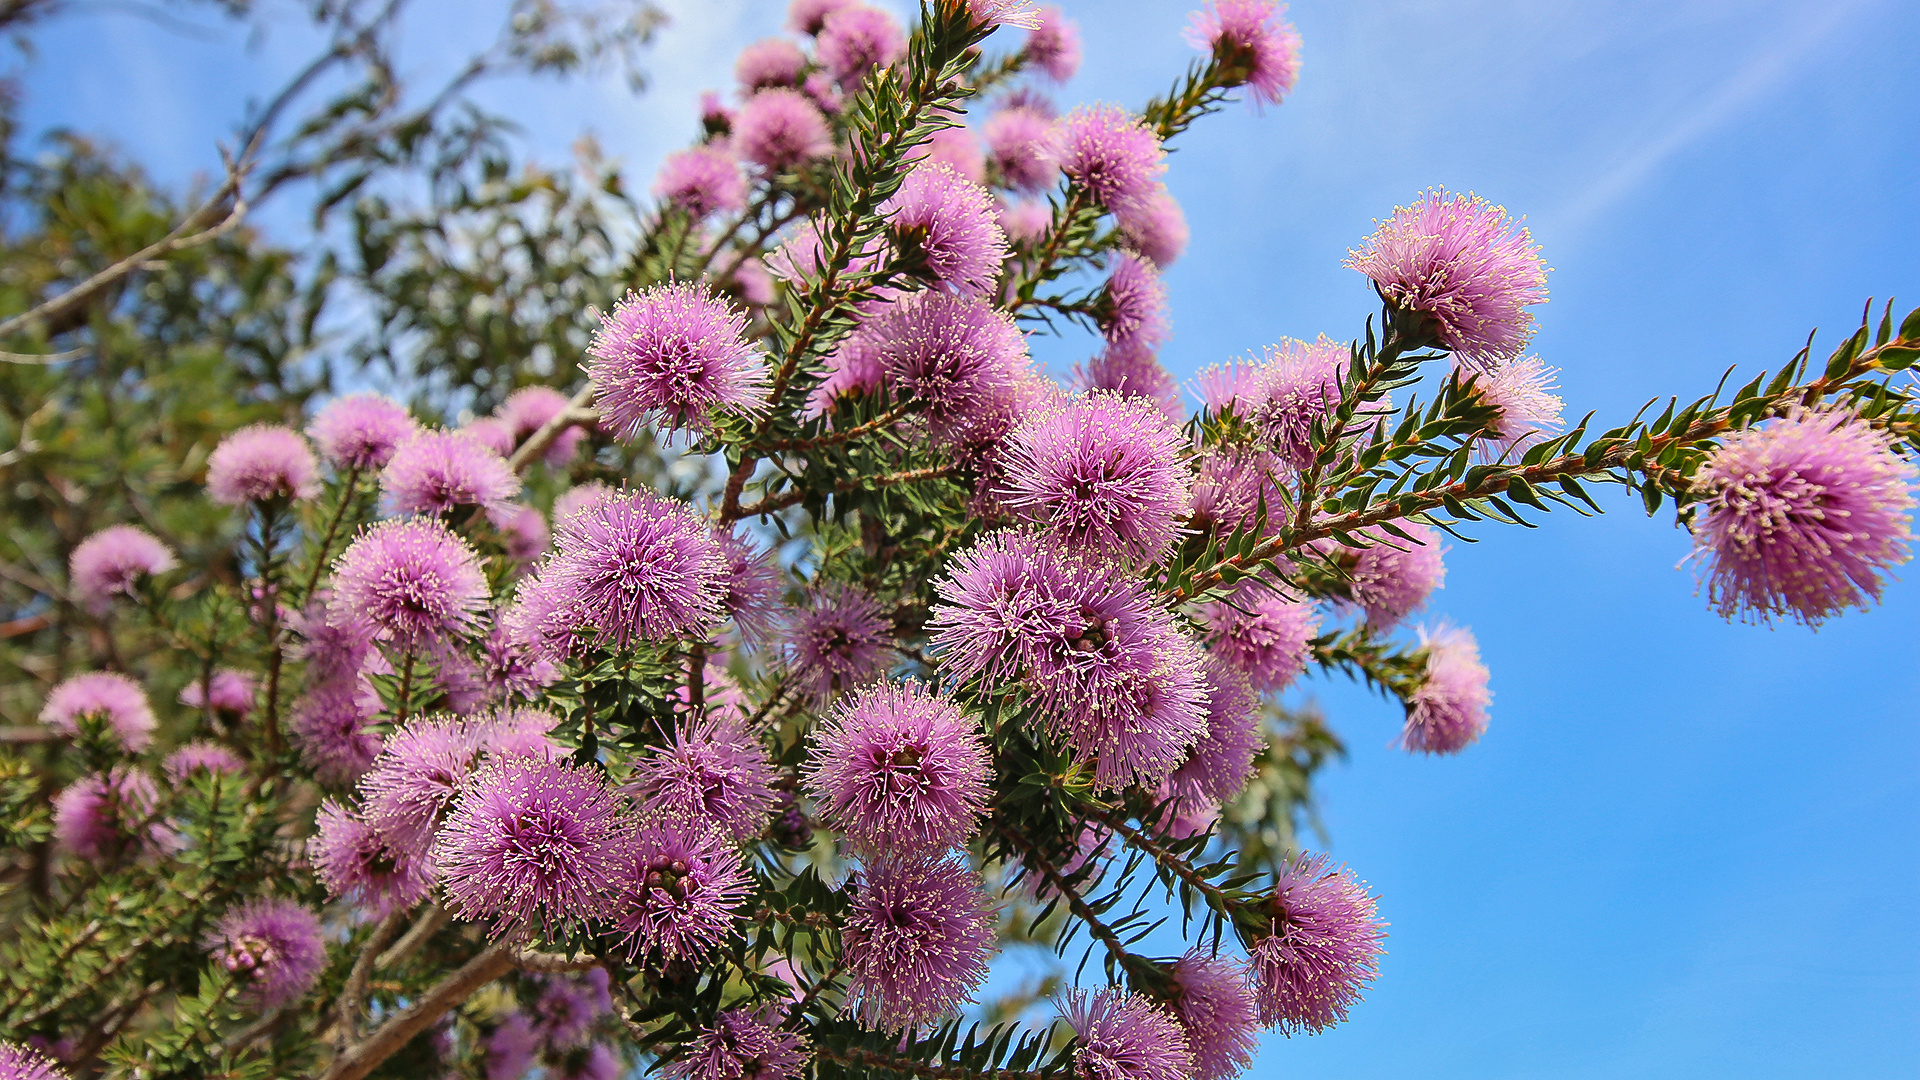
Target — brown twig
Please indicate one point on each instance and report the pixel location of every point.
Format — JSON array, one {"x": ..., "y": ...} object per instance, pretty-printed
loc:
[
  {"x": 576, "y": 412},
  {"x": 362, "y": 1058}
]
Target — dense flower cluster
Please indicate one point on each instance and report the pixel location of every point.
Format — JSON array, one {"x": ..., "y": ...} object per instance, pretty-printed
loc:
[{"x": 748, "y": 695}]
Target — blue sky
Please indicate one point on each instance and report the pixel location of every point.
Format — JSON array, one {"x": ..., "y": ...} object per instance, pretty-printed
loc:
[{"x": 1685, "y": 848}]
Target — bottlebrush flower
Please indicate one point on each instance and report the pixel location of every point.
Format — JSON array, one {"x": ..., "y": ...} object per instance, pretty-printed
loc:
[
  {"x": 510, "y": 667},
  {"x": 1104, "y": 473},
  {"x": 511, "y": 1048},
  {"x": 1126, "y": 1037},
  {"x": 569, "y": 1006},
  {"x": 837, "y": 640},
  {"x": 1018, "y": 13},
  {"x": 22, "y": 1063},
  {"x": 523, "y": 532},
  {"x": 105, "y": 695},
  {"x": 1132, "y": 371},
  {"x": 1299, "y": 384},
  {"x": 529, "y": 409},
  {"x": 435, "y": 471},
  {"x": 943, "y": 229},
  {"x": 715, "y": 771},
  {"x": 578, "y": 498},
  {"x": 531, "y": 841},
  {"x": 1134, "y": 305},
  {"x": 273, "y": 947},
  {"x": 1157, "y": 227},
  {"x": 808, "y": 16},
  {"x": 1240, "y": 385},
  {"x": 1392, "y": 577},
  {"x": 231, "y": 692},
  {"x": 1801, "y": 515},
  {"x": 1230, "y": 486},
  {"x": 916, "y": 941},
  {"x": 957, "y": 149},
  {"x": 1053, "y": 45},
  {"x": 1448, "y": 712},
  {"x": 492, "y": 433},
  {"x": 769, "y": 62},
  {"x": 411, "y": 579},
  {"x": 958, "y": 356},
  {"x": 637, "y": 567},
  {"x": 111, "y": 563},
  {"x": 1114, "y": 676},
  {"x": 371, "y": 870},
  {"x": 1255, "y": 47},
  {"x": 1460, "y": 261},
  {"x": 201, "y": 757},
  {"x": 716, "y": 118},
  {"x": 742, "y": 1044},
  {"x": 1323, "y": 947},
  {"x": 1528, "y": 410},
  {"x": 1000, "y": 599},
  {"x": 329, "y": 725},
  {"x": 674, "y": 355},
  {"x": 752, "y": 283},
  {"x": 899, "y": 769},
  {"x": 520, "y": 732},
  {"x": 262, "y": 462},
  {"x": 1024, "y": 148},
  {"x": 856, "y": 39},
  {"x": 681, "y": 886},
  {"x": 1215, "y": 1008},
  {"x": 703, "y": 180},
  {"x": 781, "y": 129},
  {"x": 96, "y": 814},
  {"x": 1222, "y": 760},
  {"x": 1263, "y": 634},
  {"x": 1025, "y": 222},
  {"x": 755, "y": 586},
  {"x": 419, "y": 772},
  {"x": 361, "y": 431},
  {"x": 1108, "y": 151}
]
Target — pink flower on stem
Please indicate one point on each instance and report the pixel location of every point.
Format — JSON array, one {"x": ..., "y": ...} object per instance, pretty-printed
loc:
[
  {"x": 111, "y": 563},
  {"x": 259, "y": 463},
  {"x": 1253, "y": 45}
]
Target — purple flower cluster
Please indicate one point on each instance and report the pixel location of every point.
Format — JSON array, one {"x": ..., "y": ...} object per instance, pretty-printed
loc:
[
  {"x": 916, "y": 941},
  {"x": 1297, "y": 385},
  {"x": 781, "y": 129},
  {"x": 22, "y": 1063},
  {"x": 1801, "y": 515},
  {"x": 361, "y": 431},
  {"x": 1263, "y": 634},
  {"x": 259, "y": 463},
  {"x": 111, "y": 563},
  {"x": 229, "y": 692},
  {"x": 836, "y": 640},
  {"x": 1222, "y": 760},
  {"x": 357, "y": 861},
  {"x": 1024, "y": 148},
  {"x": 271, "y": 945},
  {"x": 959, "y": 357},
  {"x": 97, "y": 815},
  {"x": 1394, "y": 574},
  {"x": 1460, "y": 262},
  {"x": 418, "y": 774},
  {"x": 857, "y": 39},
  {"x": 899, "y": 769},
  {"x": 1449, "y": 711},
  {"x": 715, "y": 772},
  {"x": 411, "y": 580},
  {"x": 681, "y": 887},
  {"x": 435, "y": 471},
  {"x": 1254, "y": 47},
  {"x": 632, "y": 567},
  {"x": 674, "y": 355},
  {"x": 1113, "y": 155},
  {"x": 1104, "y": 473},
  {"x": 1322, "y": 949},
  {"x": 1216, "y": 1009},
  {"x": 105, "y": 695},
  {"x": 742, "y": 1044},
  {"x": 943, "y": 229},
  {"x": 1521, "y": 393},
  {"x": 531, "y": 408},
  {"x": 1053, "y": 45},
  {"x": 1112, "y": 673},
  {"x": 201, "y": 757},
  {"x": 531, "y": 841},
  {"x": 1126, "y": 1037},
  {"x": 702, "y": 181}
]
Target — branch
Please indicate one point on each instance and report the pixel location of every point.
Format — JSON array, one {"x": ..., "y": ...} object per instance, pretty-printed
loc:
[
  {"x": 356, "y": 1062},
  {"x": 576, "y": 412},
  {"x": 347, "y": 1012},
  {"x": 184, "y": 235},
  {"x": 430, "y": 923},
  {"x": 773, "y": 503}
]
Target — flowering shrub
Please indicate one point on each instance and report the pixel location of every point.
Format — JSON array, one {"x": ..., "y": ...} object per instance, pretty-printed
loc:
[{"x": 476, "y": 752}]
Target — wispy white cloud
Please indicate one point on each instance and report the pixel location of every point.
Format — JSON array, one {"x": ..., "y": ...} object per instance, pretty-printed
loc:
[{"x": 1760, "y": 74}]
